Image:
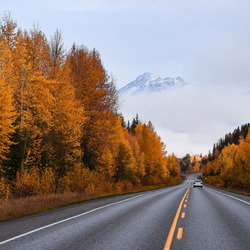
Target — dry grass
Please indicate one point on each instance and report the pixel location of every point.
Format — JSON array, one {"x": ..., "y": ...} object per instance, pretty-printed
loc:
[{"x": 14, "y": 208}]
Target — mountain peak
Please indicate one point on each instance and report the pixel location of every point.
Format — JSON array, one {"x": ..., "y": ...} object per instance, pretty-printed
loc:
[
  {"x": 148, "y": 82},
  {"x": 145, "y": 76}
]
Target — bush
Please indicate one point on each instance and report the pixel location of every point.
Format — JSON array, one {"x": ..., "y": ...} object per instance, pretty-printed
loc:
[
  {"x": 31, "y": 182},
  {"x": 27, "y": 182},
  {"x": 79, "y": 179},
  {"x": 4, "y": 189},
  {"x": 47, "y": 182}
]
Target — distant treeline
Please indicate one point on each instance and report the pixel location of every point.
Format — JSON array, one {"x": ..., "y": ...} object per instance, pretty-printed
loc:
[
  {"x": 229, "y": 163},
  {"x": 230, "y": 138}
]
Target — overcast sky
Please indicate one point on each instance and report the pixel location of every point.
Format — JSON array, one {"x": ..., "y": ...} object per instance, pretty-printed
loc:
[{"x": 206, "y": 42}]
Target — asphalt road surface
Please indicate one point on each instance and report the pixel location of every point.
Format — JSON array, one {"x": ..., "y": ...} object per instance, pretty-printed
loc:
[{"x": 179, "y": 217}]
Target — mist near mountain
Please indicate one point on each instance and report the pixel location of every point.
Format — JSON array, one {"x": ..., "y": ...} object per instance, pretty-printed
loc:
[
  {"x": 149, "y": 82},
  {"x": 189, "y": 118}
]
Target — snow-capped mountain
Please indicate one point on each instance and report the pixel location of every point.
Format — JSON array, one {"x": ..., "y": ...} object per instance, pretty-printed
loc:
[{"x": 149, "y": 83}]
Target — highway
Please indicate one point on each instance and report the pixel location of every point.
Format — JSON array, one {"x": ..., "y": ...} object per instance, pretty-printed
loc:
[{"x": 178, "y": 217}]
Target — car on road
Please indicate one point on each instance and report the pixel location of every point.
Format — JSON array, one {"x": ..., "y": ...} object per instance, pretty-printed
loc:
[{"x": 197, "y": 183}]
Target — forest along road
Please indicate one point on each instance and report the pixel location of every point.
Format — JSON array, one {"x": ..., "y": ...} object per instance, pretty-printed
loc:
[{"x": 179, "y": 217}]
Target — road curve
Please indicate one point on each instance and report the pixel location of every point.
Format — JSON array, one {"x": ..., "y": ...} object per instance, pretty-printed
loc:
[{"x": 137, "y": 221}]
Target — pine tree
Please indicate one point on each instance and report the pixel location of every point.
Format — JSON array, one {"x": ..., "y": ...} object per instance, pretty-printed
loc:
[{"x": 134, "y": 123}]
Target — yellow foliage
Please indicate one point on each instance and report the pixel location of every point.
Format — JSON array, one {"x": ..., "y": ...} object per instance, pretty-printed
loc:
[
  {"x": 173, "y": 166},
  {"x": 66, "y": 116},
  {"x": 138, "y": 155},
  {"x": 68, "y": 119},
  {"x": 226, "y": 159},
  {"x": 47, "y": 183},
  {"x": 4, "y": 189},
  {"x": 154, "y": 154},
  {"x": 193, "y": 169},
  {"x": 79, "y": 179},
  {"x": 232, "y": 166},
  {"x": 6, "y": 119},
  {"x": 106, "y": 164},
  {"x": 30, "y": 182},
  {"x": 242, "y": 162},
  {"x": 27, "y": 182}
]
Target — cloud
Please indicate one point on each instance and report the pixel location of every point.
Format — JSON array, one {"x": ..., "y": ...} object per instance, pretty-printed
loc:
[
  {"x": 162, "y": 5},
  {"x": 183, "y": 6},
  {"x": 112, "y": 5},
  {"x": 192, "y": 118}
]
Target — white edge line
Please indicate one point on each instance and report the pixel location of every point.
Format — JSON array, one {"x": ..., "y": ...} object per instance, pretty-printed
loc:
[
  {"x": 230, "y": 196},
  {"x": 70, "y": 218}
]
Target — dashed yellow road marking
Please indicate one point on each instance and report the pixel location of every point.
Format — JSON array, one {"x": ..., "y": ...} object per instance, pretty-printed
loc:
[
  {"x": 180, "y": 232},
  {"x": 183, "y": 215},
  {"x": 185, "y": 205},
  {"x": 172, "y": 229}
]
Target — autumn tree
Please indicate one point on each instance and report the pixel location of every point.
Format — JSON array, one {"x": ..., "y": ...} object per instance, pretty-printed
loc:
[
  {"x": 125, "y": 164},
  {"x": 242, "y": 162},
  {"x": 226, "y": 159},
  {"x": 232, "y": 165},
  {"x": 49, "y": 117},
  {"x": 7, "y": 114},
  {"x": 154, "y": 152},
  {"x": 138, "y": 155},
  {"x": 173, "y": 166},
  {"x": 6, "y": 119},
  {"x": 98, "y": 96},
  {"x": 65, "y": 133}
]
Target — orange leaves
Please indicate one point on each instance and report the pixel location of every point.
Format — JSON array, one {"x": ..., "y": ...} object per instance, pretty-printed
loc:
[
  {"x": 38, "y": 103},
  {"x": 93, "y": 91},
  {"x": 27, "y": 182},
  {"x": 153, "y": 153},
  {"x": 79, "y": 179},
  {"x": 138, "y": 155},
  {"x": 67, "y": 133},
  {"x": 68, "y": 119},
  {"x": 242, "y": 162},
  {"x": 232, "y": 167},
  {"x": 31, "y": 182},
  {"x": 125, "y": 164},
  {"x": 5, "y": 190},
  {"x": 7, "y": 34},
  {"x": 173, "y": 166},
  {"x": 6, "y": 118}
]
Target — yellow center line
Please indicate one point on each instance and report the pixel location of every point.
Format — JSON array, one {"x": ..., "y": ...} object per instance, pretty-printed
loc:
[
  {"x": 172, "y": 229},
  {"x": 180, "y": 232},
  {"x": 185, "y": 205},
  {"x": 183, "y": 215}
]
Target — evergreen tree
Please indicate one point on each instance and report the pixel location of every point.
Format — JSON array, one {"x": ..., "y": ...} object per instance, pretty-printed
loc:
[{"x": 134, "y": 123}]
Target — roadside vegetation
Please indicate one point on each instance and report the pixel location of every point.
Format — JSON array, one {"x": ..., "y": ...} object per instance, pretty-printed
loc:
[
  {"x": 61, "y": 137},
  {"x": 228, "y": 166}
]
